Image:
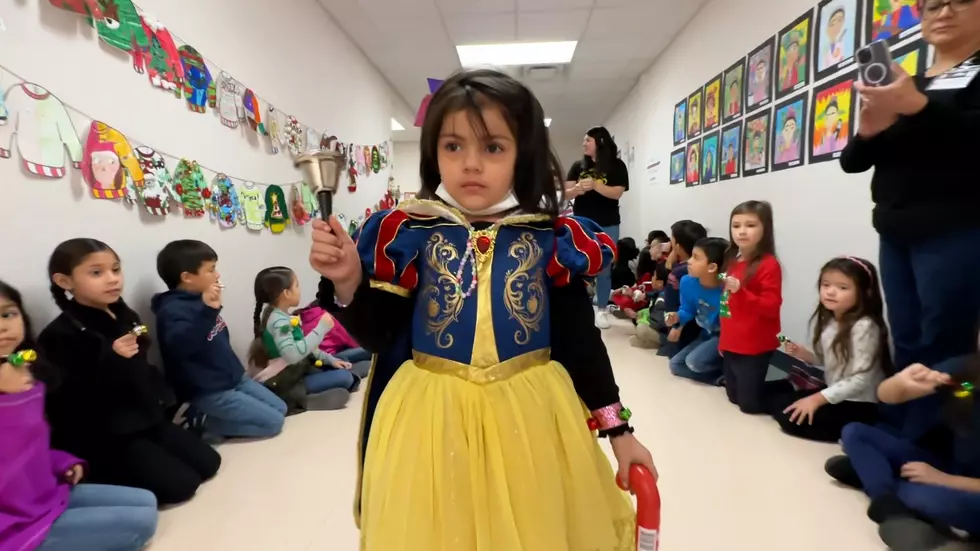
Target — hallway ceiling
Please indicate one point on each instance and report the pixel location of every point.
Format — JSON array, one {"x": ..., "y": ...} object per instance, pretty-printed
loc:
[{"x": 410, "y": 40}]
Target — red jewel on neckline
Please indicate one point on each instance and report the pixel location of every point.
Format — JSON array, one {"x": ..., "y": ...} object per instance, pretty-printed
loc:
[{"x": 483, "y": 244}]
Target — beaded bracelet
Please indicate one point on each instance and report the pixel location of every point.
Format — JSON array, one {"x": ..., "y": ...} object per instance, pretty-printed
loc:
[{"x": 609, "y": 417}]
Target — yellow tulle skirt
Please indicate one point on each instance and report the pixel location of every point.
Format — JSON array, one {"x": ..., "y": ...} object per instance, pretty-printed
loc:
[{"x": 508, "y": 466}]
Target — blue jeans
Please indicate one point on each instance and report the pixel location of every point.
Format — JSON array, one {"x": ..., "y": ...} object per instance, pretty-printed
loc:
[
  {"x": 354, "y": 355},
  {"x": 878, "y": 456},
  {"x": 603, "y": 282},
  {"x": 326, "y": 380},
  {"x": 104, "y": 518},
  {"x": 249, "y": 410},
  {"x": 699, "y": 360}
]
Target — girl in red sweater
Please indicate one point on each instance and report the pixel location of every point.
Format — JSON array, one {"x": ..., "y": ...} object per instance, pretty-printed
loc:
[{"x": 754, "y": 281}]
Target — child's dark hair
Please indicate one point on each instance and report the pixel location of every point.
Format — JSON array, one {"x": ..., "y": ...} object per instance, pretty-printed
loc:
[
  {"x": 41, "y": 369},
  {"x": 646, "y": 265},
  {"x": 66, "y": 257},
  {"x": 473, "y": 90},
  {"x": 605, "y": 151},
  {"x": 714, "y": 249},
  {"x": 767, "y": 245},
  {"x": 269, "y": 285},
  {"x": 626, "y": 250},
  {"x": 657, "y": 235},
  {"x": 686, "y": 233},
  {"x": 870, "y": 304},
  {"x": 185, "y": 255}
]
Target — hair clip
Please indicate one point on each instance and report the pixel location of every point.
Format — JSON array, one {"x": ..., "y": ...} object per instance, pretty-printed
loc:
[
  {"x": 964, "y": 391},
  {"x": 139, "y": 330},
  {"x": 19, "y": 358}
]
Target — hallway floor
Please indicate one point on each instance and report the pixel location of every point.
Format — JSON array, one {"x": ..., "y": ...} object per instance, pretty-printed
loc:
[{"x": 728, "y": 481}]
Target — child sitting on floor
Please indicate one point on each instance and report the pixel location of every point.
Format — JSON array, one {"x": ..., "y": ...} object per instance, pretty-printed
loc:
[
  {"x": 337, "y": 342},
  {"x": 684, "y": 234}
]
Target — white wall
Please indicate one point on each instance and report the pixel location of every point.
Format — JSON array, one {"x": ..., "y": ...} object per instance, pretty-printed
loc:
[
  {"x": 405, "y": 169},
  {"x": 820, "y": 212},
  {"x": 289, "y": 52}
]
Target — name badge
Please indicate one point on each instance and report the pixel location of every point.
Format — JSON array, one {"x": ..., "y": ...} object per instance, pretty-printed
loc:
[{"x": 957, "y": 78}]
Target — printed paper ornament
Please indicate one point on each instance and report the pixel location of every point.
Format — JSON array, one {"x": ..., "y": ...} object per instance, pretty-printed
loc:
[
  {"x": 157, "y": 190},
  {"x": 197, "y": 78},
  {"x": 275, "y": 129},
  {"x": 375, "y": 159},
  {"x": 294, "y": 136},
  {"x": 160, "y": 60},
  {"x": 276, "y": 214},
  {"x": 300, "y": 215},
  {"x": 90, "y": 8},
  {"x": 190, "y": 187},
  {"x": 223, "y": 204},
  {"x": 253, "y": 206},
  {"x": 43, "y": 130},
  {"x": 225, "y": 95},
  {"x": 109, "y": 165},
  {"x": 253, "y": 112}
]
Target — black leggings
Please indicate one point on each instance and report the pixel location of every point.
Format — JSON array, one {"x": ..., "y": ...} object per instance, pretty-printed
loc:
[
  {"x": 828, "y": 421},
  {"x": 167, "y": 460},
  {"x": 745, "y": 380}
]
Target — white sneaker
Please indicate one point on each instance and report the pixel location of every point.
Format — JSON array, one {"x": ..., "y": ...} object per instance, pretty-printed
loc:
[{"x": 601, "y": 319}]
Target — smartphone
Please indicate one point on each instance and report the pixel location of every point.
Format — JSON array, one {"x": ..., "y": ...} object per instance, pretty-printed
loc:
[{"x": 875, "y": 64}]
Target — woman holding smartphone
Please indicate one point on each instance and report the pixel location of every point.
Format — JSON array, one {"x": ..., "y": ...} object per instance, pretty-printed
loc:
[{"x": 918, "y": 133}]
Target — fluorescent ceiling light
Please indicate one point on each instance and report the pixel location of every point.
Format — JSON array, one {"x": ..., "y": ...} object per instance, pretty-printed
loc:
[
  {"x": 527, "y": 53},
  {"x": 395, "y": 126},
  {"x": 547, "y": 122}
]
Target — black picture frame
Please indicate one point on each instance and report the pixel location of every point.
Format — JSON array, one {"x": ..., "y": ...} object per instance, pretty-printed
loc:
[
  {"x": 710, "y": 146},
  {"x": 919, "y": 47},
  {"x": 681, "y": 154},
  {"x": 803, "y": 39},
  {"x": 736, "y": 128},
  {"x": 758, "y": 127},
  {"x": 733, "y": 75},
  {"x": 897, "y": 33},
  {"x": 680, "y": 137},
  {"x": 695, "y": 112},
  {"x": 695, "y": 179},
  {"x": 826, "y": 64},
  {"x": 712, "y": 91},
  {"x": 800, "y": 116},
  {"x": 823, "y": 153},
  {"x": 758, "y": 91}
]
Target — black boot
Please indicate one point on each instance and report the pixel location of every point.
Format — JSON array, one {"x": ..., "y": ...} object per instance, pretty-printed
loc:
[
  {"x": 839, "y": 467},
  {"x": 911, "y": 534}
]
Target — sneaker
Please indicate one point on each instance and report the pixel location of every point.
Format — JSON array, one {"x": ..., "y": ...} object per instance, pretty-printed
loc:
[
  {"x": 335, "y": 398},
  {"x": 887, "y": 507},
  {"x": 840, "y": 469},
  {"x": 602, "y": 319},
  {"x": 911, "y": 534}
]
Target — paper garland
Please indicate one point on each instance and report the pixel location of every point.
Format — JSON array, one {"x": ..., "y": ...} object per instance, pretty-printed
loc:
[{"x": 43, "y": 130}]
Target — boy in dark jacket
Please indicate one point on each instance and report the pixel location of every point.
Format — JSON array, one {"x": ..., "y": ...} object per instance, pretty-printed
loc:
[
  {"x": 197, "y": 354},
  {"x": 683, "y": 236}
]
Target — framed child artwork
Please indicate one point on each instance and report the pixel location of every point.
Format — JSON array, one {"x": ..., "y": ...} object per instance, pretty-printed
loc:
[
  {"x": 731, "y": 145},
  {"x": 892, "y": 20},
  {"x": 680, "y": 122},
  {"x": 732, "y": 105},
  {"x": 758, "y": 84},
  {"x": 789, "y": 133},
  {"x": 677, "y": 166},
  {"x": 693, "y": 167},
  {"x": 912, "y": 57},
  {"x": 755, "y": 145},
  {"x": 712, "y": 104},
  {"x": 709, "y": 158},
  {"x": 832, "y": 122},
  {"x": 793, "y": 56},
  {"x": 695, "y": 113},
  {"x": 836, "y": 37}
]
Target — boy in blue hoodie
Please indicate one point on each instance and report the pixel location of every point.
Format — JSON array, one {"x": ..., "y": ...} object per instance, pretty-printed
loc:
[
  {"x": 700, "y": 301},
  {"x": 683, "y": 235},
  {"x": 197, "y": 354}
]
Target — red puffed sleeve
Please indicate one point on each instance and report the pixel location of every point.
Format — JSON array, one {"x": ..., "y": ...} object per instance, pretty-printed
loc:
[
  {"x": 581, "y": 250},
  {"x": 388, "y": 249}
]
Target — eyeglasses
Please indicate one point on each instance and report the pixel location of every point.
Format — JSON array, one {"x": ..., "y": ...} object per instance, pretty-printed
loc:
[{"x": 934, "y": 7}]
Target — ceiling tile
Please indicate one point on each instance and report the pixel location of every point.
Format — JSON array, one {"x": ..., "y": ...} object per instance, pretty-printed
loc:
[
  {"x": 388, "y": 8},
  {"x": 476, "y": 6},
  {"x": 635, "y": 67},
  {"x": 589, "y": 71},
  {"x": 613, "y": 22},
  {"x": 535, "y": 5},
  {"x": 482, "y": 28},
  {"x": 551, "y": 25}
]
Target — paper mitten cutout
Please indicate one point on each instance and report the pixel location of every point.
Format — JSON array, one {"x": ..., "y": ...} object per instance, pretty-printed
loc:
[
  {"x": 274, "y": 125},
  {"x": 43, "y": 130},
  {"x": 160, "y": 58},
  {"x": 190, "y": 187},
  {"x": 225, "y": 95},
  {"x": 108, "y": 163},
  {"x": 253, "y": 206},
  {"x": 223, "y": 204},
  {"x": 253, "y": 112},
  {"x": 375, "y": 159},
  {"x": 197, "y": 78},
  {"x": 294, "y": 136},
  {"x": 157, "y": 188},
  {"x": 276, "y": 214},
  {"x": 90, "y": 8},
  {"x": 310, "y": 202}
]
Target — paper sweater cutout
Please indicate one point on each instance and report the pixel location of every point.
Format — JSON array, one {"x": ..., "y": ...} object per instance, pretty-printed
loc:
[
  {"x": 81, "y": 7},
  {"x": 3, "y": 106},
  {"x": 294, "y": 136},
  {"x": 352, "y": 151},
  {"x": 276, "y": 214},
  {"x": 43, "y": 130},
  {"x": 300, "y": 215},
  {"x": 157, "y": 190},
  {"x": 160, "y": 60},
  {"x": 190, "y": 187},
  {"x": 225, "y": 95},
  {"x": 274, "y": 125},
  {"x": 375, "y": 159},
  {"x": 121, "y": 27},
  {"x": 310, "y": 202},
  {"x": 197, "y": 78},
  {"x": 223, "y": 204},
  {"x": 253, "y": 206},
  {"x": 109, "y": 164},
  {"x": 253, "y": 112},
  {"x": 312, "y": 140}
]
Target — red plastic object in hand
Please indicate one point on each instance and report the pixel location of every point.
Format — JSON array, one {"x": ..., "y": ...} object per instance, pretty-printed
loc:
[{"x": 644, "y": 486}]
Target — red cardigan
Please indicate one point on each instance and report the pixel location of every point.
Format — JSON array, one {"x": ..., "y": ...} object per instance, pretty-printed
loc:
[{"x": 754, "y": 325}]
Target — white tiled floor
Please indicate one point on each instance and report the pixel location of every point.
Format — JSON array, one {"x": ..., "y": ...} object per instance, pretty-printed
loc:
[{"x": 729, "y": 481}]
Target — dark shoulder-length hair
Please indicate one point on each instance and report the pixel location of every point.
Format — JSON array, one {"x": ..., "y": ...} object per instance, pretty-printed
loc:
[
  {"x": 40, "y": 368},
  {"x": 472, "y": 91},
  {"x": 605, "y": 151}
]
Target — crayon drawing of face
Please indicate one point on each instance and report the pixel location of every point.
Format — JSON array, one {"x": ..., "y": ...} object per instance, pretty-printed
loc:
[
  {"x": 789, "y": 129},
  {"x": 105, "y": 169},
  {"x": 835, "y": 25}
]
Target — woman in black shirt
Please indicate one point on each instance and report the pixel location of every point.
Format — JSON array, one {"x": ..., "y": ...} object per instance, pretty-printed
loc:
[
  {"x": 596, "y": 183},
  {"x": 921, "y": 135}
]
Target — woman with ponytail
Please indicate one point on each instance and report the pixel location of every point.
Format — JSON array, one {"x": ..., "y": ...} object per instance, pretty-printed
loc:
[{"x": 107, "y": 404}]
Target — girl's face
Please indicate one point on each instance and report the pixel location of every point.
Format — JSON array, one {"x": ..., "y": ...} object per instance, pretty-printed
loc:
[
  {"x": 838, "y": 293},
  {"x": 12, "y": 379},
  {"x": 747, "y": 231},
  {"x": 478, "y": 171},
  {"x": 589, "y": 147},
  {"x": 290, "y": 297},
  {"x": 96, "y": 282}
]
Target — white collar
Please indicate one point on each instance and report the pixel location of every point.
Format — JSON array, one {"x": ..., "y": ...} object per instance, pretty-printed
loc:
[{"x": 509, "y": 202}]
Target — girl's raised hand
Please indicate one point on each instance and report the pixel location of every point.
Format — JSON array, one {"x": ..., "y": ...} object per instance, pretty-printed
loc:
[
  {"x": 333, "y": 254},
  {"x": 732, "y": 284},
  {"x": 126, "y": 346}
]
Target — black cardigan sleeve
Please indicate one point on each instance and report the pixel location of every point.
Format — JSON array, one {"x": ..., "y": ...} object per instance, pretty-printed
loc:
[
  {"x": 859, "y": 155},
  {"x": 374, "y": 317}
]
